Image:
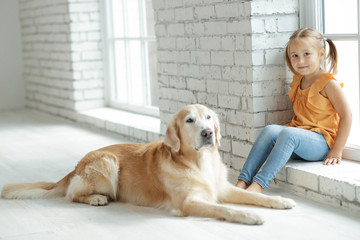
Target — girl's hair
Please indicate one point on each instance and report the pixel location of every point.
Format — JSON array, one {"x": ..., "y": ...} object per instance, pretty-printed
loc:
[{"x": 320, "y": 43}]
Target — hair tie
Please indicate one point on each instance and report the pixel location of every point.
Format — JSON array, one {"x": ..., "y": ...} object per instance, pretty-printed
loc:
[{"x": 325, "y": 39}]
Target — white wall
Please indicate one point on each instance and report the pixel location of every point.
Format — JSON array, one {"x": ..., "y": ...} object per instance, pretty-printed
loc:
[
  {"x": 62, "y": 56},
  {"x": 228, "y": 55},
  {"x": 12, "y": 90}
]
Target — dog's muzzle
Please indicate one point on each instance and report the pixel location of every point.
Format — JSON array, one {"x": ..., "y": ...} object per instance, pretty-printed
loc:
[{"x": 207, "y": 139}]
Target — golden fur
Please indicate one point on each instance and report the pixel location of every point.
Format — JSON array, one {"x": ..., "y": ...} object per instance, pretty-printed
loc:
[{"x": 183, "y": 173}]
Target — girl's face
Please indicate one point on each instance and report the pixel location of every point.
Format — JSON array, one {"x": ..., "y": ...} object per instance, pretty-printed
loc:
[{"x": 305, "y": 57}]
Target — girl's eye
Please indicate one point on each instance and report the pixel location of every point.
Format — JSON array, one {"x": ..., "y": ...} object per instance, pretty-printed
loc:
[
  {"x": 307, "y": 54},
  {"x": 294, "y": 56},
  {"x": 190, "y": 120}
]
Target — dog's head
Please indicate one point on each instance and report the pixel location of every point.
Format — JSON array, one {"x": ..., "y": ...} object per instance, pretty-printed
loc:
[{"x": 194, "y": 127}]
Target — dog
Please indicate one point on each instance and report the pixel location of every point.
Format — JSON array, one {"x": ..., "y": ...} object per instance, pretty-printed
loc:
[{"x": 183, "y": 174}]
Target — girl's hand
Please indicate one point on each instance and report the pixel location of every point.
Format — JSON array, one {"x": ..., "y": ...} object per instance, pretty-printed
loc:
[{"x": 333, "y": 158}]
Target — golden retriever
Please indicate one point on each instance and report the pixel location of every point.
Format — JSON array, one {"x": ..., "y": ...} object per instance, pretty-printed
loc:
[{"x": 183, "y": 173}]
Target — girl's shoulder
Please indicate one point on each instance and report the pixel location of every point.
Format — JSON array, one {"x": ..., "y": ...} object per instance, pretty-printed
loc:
[
  {"x": 325, "y": 79},
  {"x": 296, "y": 81}
]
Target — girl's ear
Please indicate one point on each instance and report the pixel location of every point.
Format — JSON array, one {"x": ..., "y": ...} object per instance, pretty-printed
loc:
[{"x": 322, "y": 54}]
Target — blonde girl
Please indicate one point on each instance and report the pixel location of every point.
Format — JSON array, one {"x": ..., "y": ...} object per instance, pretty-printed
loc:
[{"x": 322, "y": 117}]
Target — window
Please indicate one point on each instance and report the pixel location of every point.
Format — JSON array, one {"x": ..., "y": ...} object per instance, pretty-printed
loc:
[
  {"x": 339, "y": 21},
  {"x": 130, "y": 48}
]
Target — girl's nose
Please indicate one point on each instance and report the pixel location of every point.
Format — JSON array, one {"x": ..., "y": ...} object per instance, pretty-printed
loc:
[{"x": 301, "y": 59}]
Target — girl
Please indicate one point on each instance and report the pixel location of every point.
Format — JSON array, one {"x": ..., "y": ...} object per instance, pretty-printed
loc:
[{"x": 322, "y": 120}]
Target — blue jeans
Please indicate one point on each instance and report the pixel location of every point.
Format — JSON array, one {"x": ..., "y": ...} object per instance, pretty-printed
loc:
[{"x": 275, "y": 145}]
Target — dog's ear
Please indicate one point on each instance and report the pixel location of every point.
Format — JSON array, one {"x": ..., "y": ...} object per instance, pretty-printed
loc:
[
  {"x": 172, "y": 136},
  {"x": 217, "y": 129}
]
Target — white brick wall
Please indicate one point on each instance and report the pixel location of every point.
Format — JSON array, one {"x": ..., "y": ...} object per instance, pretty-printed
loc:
[
  {"x": 236, "y": 64},
  {"x": 227, "y": 55},
  {"x": 62, "y": 54}
]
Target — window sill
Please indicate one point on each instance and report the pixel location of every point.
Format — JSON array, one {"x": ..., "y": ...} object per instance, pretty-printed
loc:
[
  {"x": 336, "y": 185},
  {"x": 134, "y": 126}
]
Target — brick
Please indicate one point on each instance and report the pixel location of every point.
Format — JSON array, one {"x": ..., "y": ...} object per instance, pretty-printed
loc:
[
  {"x": 336, "y": 188},
  {"x": 239, "y": 27},
  {"x": 227, "y": 10},
  {"x": 273, "y": 103},
  {"x": 184, "y": 14},
  {"x": 83, "y": 7},
  {"x": 302, "y": 178},
  {"x": 200, "y": 57},
  {"x": 243, "y": 58},
  {"x": 176, "y": 29},
  {"x": 237, "y": 73},
  {"x": 185, "y": 43},
  {"x": 197, "y": 28},
  {"x": 271, "y": 25},
  {"x": 207, "y": 99},
  {"x": 276, "y": 56},
  {"x": 217, "y": 86},
  {"x": 167, "y": 43},
  {"x": 269, "y": 41},
  {"x": 222, "y": 58},
  {"x": 238, "y": 132},
  {"x": 240, "y": 148},
  {"x": 196, "y": 84},
  {"x": 261, "y": 73},
  {"x": 213, "y": 43},
  {"x": 215, "y": 28},
  {"x": 204, "y": 12},
  {"x": 210, "y": 72},
  {"x": 228, "y": 43},
  {"x": 167, "y": 15},
  {"x": 257, "y": 25},
  {"x": 265, "y": 7},
  {"x": 288, "y": 23},
  {"x": 230, "y": 102}
]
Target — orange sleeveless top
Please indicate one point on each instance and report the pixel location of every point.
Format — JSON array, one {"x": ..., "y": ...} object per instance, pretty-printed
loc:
[{"x": 312, "y": 110}]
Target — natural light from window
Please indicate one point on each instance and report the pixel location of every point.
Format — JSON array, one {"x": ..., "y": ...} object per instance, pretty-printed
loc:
[
  {"x": 341, "y": 25},
  {"x": 131, "y": 47}
]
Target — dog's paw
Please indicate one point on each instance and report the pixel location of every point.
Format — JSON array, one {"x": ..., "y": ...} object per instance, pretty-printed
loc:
[
  {"x": 253, "y": 219},
  {"x": 244, "y": 217},
  {"x": 282, "y": 203},
  {"x": 98, "y": 200}
]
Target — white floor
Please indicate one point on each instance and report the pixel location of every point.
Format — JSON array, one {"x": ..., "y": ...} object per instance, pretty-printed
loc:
[{"x": 36, "y": 147}]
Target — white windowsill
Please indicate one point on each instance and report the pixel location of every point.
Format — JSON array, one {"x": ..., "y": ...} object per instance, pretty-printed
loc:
[
  {"x": 135, "y": 127},
  {"x": 143, "y": 122}
]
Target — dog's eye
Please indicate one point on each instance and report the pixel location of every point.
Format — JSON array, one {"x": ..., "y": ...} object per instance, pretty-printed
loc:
[
  {"x": 208, "y": 117},
  {"x": 190, "y": 120}
]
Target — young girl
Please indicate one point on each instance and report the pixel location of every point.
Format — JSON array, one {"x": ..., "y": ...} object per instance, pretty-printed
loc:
[{"x": 322, "y": 120}]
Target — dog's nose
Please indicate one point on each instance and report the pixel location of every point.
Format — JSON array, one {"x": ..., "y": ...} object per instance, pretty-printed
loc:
[{"x": 206, "y": 133}]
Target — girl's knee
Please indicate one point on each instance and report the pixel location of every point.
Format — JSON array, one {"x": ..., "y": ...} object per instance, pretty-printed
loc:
[
  {"x": 270, "y": 132},
  {"x": 287, "y": 134}
]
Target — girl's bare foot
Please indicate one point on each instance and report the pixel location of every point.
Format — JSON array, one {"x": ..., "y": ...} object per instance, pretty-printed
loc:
[
  {"x": 241, "y": 184},
  {"x": 255, "y": 187}
]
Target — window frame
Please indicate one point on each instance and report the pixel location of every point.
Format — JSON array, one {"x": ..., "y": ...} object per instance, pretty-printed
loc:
[
  {"x": 109, "y": 41},
  {"x": 311, "y": 15}
]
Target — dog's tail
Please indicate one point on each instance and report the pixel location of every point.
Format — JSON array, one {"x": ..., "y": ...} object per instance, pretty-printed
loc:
[{"x": 37, "y": 189}]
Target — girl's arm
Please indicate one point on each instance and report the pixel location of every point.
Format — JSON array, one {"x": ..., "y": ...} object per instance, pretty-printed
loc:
[{"x": 337, "y": 97}]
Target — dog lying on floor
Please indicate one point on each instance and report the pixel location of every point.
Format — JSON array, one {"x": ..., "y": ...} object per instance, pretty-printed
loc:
[{"x": 183, "y": 173}]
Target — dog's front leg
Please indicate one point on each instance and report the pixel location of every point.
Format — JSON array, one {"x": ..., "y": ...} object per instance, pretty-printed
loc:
[
  {"x": 194, "y": 206},
  {"x": 232, "y": 194}
]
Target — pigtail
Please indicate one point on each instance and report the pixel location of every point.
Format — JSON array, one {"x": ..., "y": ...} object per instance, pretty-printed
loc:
[{"x": 332, "y": 56}]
